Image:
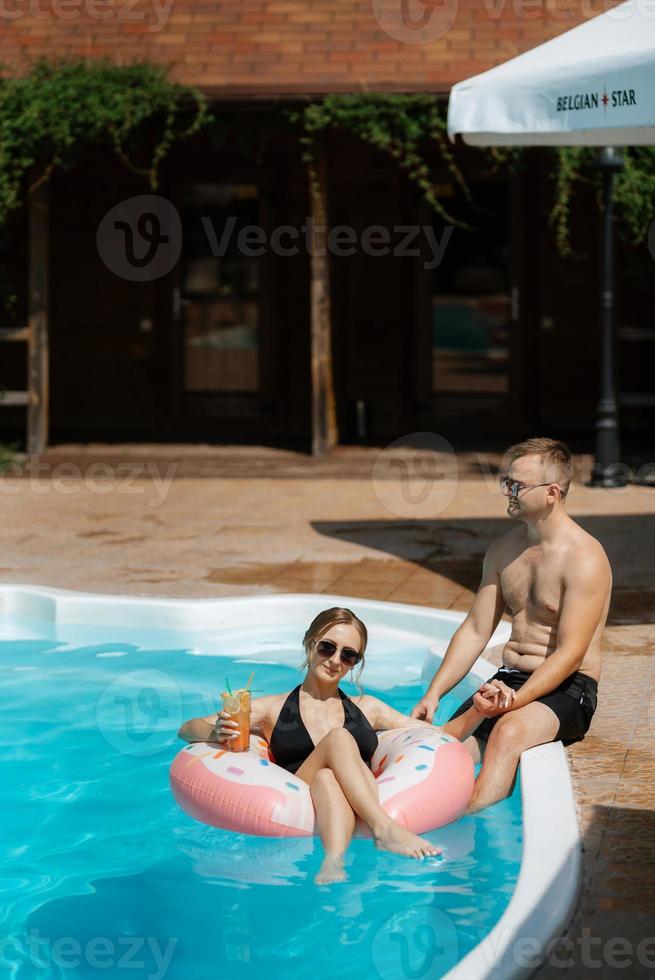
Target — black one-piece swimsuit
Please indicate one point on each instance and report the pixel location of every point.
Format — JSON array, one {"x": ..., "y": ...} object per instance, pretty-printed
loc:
[{"x": 290, "y": 742}]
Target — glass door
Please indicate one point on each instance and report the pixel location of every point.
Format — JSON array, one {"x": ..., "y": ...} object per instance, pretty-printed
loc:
[
  {"x": 471, "y": 313},
  {"x": 217, "y": 302}
]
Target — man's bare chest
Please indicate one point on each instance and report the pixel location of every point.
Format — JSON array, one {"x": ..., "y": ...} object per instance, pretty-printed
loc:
[{"x": 533, "y": 582}]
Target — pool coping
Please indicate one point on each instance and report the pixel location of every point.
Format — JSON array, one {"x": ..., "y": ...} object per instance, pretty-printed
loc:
[
  {"x": 183, "y": 613},
  {"x": 550, "y": 877},
  {"x": 549, "y": 880}
]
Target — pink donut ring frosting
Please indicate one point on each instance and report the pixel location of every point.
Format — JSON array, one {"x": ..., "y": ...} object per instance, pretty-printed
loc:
[{"x": 425, "y": 780}]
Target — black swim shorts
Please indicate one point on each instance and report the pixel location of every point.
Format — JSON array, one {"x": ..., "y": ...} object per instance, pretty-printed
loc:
[{"x": 574, "y": 703}]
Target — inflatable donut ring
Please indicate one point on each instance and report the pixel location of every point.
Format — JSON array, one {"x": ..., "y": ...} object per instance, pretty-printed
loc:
[{"x": 425, "y": 780}]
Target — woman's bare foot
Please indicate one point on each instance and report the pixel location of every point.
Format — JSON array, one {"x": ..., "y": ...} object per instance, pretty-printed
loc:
[
  {"x": 396, "y": 839},
  {"x": 331, "y": 870}
]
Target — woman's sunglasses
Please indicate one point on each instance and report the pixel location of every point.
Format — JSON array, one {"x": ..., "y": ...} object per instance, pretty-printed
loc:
[{"x": 327, "y": 648}]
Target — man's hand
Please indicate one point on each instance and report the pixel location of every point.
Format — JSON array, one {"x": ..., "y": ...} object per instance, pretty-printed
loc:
[
  {"x": 425, "y": 709},
  {"x": 493, "y": 699}
]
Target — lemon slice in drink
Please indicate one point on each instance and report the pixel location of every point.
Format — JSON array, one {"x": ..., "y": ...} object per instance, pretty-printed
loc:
[{"x": 232, "y": 705}]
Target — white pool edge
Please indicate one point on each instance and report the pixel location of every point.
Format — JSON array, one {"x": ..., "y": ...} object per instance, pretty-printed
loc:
[
  {"x": 548, "y": 885},
  {"x": 180, "y": 613},
  {"x": 549, "y": 879}
]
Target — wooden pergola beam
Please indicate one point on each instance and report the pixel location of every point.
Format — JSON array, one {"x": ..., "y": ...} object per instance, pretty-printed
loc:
[
  {"x": 38, "y": 347},
  {"x": 324, "y": 417}
]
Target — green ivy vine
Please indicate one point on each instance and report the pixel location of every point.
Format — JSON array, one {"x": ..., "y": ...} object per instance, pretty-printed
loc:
[
  {"x": 9, "y": 454},
  {"x": 398, "y": 125},
  {"x": 634, "y": 191},
  {"x": 56, "y": 107}
]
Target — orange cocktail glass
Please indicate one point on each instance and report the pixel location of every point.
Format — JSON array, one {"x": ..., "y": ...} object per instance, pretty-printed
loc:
[{"x": 237, "y": 706}]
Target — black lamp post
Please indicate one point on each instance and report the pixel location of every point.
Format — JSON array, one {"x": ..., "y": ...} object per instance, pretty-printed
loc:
[{"x": 607, "y": 470}]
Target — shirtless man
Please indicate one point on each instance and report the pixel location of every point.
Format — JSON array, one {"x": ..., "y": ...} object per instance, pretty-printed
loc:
[{"x": 556, "y": 581}]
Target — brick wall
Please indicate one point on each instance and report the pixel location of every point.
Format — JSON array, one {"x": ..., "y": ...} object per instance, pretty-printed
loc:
[{"x": 295, "y": 46}]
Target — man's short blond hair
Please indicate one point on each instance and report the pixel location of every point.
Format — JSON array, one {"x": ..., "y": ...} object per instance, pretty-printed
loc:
[{"x": 555, "y": 457}]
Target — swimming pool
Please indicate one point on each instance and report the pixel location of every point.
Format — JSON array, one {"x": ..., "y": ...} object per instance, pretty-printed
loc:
[{"x": 102, "y": 872}]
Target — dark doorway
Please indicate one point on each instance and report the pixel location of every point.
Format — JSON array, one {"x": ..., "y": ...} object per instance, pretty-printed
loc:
[
  {"x": 219, "y": 310},
  {"x": 373, "y": 298},
  {"x": 470, "y": 311}
]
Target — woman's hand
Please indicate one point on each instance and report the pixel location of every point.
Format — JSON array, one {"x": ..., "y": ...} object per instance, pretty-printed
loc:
[
  {"x": 494, "y": 698},
  {"x": 221, "y": 728},
  {"x": 506, "y": 695},
  {"x": 225, "y": 728}
]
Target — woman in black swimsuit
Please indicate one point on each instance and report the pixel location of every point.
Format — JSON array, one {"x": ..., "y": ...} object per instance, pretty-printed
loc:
[{"x": 321, "y": 735}]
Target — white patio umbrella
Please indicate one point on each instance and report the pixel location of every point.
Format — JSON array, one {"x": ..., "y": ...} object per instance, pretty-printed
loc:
[{"x": 593, "y": 85}]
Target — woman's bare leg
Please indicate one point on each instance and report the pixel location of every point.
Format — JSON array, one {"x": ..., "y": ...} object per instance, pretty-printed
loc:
[
  {"x": 338, "y": 751},
  {"x": 336, "y": 825}
]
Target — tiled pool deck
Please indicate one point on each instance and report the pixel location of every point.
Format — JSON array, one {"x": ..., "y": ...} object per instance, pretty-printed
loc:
[{"x": 211, "y": 521}]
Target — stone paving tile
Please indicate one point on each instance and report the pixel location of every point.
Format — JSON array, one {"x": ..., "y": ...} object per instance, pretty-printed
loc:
[
  {"x": 632, "y": 823},
  {"x": 629, "y": 850},
  {"x": 308, "y": 576},
  {"x": 251, "y": 574},
  {"x": 356, "y": 578},
  {"x": 394, "y": 570},
  {"x": 438, "y": 596},
  {"x": 463, "y": 600},
  {"x": 359, "y": 590},
  {"x": 424, "y": 578}
]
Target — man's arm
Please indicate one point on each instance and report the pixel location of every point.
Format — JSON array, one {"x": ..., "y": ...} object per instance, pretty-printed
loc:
[
  {"x": 383, "y": 716},
  {"x": 587, "y": 585},
  {"x": 470, "y": 638}
]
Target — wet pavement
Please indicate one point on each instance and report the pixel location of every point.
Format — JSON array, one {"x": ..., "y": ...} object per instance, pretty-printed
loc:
[{"x": 201, "y": 521}]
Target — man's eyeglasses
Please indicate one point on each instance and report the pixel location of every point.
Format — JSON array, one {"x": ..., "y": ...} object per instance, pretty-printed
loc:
[
  {"x": 327, "y": 648},
  {"x": 512, "y": 488}
]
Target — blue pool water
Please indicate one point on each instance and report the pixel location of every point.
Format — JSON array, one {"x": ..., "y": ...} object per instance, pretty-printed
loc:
[{"x": 104, "y": 876}]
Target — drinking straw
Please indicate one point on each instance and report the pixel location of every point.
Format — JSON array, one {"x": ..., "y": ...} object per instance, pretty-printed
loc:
[
  {"x": 249, "y": 682},
  {"x": 229, "y": 689}
]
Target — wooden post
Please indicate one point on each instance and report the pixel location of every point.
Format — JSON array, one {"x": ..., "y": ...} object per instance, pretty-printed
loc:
[
  {"x": 38, "y": 356},
  {"x": 324, "y": 417}
]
